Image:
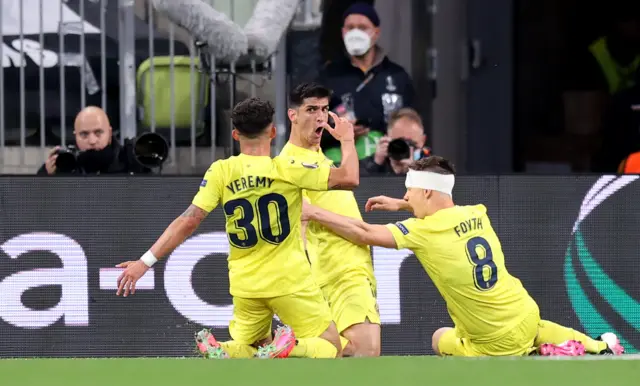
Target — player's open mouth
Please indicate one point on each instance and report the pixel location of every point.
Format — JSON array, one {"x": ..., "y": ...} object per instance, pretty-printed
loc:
[{"x": 319, "y": 130}]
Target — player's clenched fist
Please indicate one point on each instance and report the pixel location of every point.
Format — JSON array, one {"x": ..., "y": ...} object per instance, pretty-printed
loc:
[
  {"x": 134, "y": 270},
  {"x": 343, "y": 130},
  {"x": 384, "y": 203}
]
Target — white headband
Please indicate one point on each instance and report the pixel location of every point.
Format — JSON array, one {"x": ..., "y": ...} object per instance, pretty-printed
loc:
[{"x": 430, "y": 181}]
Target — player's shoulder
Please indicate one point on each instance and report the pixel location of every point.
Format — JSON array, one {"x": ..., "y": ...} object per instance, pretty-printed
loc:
[
  {"x": 288, "y": 150},
  {"x": 284, "y": 160},
  {"x": 224, "y": 169},
  {"x": 406, "y": 226},
  {"x": 293, "y": 162},
  {"x": 300, "y": 154},
  {"x": 473, "y": 210},
  {"x": 221, "y": 164}
]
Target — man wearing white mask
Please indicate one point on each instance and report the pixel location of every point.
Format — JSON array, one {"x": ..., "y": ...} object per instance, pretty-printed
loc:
[{"x": 367, "y": 86}]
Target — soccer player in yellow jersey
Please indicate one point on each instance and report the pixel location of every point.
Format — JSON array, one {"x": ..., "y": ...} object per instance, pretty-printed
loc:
[
  {"x": 493, "y": 314},
  {"x": 268, "y": 270},
  {"x": 342, "y": 269}
]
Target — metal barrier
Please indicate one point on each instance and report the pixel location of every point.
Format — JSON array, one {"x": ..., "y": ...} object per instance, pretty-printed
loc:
[{"x": 60, "y": 56}]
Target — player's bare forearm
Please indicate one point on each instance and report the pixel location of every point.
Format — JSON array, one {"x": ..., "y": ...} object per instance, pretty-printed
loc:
[
  {"x": 349, "y": 228},
  {"x": 178, "y": 231},
  {"x": 350, "y": 159},
  {"x": 347, "y": 176},
  {"x": 354, "y": 230},
  {"x": 404, "y": 205}
]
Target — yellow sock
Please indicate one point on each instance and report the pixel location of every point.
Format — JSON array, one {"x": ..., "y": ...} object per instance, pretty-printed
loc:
[
  {"x": 344, "y": 341},
  {"x": 549, "y": 332},
  {"x": 314, "y": 348},
  {"x": 238, "y": 350}
]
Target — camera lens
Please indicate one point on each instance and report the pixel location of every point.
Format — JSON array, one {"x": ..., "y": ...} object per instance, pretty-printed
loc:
[
  {"x": 66, "y": 161},
  {"x": 399, "y": 149},
  {"x": 151, "y": 150}
]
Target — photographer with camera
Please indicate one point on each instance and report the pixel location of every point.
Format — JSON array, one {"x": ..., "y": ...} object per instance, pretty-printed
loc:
[
  {"x": 97, "y": 151},
  {"x": 404, "y": 144}
]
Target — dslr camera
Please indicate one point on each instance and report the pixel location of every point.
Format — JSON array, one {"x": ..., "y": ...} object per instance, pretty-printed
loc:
[
  {"x": 149, "y": 150},
  {"x": 400, "y": 148}
]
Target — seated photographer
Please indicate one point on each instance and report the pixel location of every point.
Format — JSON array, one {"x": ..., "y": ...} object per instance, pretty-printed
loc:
[
  {"x": 404, "y": 144},
  {"x": 97, "y": 151}
]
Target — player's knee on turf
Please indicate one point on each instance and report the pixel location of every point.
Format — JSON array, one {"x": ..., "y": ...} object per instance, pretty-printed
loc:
[
  {"x": 435, "y": 338},
  {"x": 364, "y": 339},
  {"x": 331, "y": 334}
]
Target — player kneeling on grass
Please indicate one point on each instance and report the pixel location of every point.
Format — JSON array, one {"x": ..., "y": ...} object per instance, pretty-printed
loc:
[
  {"x": 268, "y": 269},
  {"x": 492, "y": 312}
]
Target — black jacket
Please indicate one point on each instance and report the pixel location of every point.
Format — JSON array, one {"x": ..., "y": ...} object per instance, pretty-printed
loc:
[
  {"x": 123, "y": 162},
  {"x": 343, "y": 77}
]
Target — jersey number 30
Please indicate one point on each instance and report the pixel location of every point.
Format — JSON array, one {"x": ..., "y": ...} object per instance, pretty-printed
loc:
[
  {"x": 482, "y": 264},
  {"x": 248, "y": 214}
]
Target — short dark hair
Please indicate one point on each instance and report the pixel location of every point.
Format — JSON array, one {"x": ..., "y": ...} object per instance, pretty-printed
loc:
[
  {"x": 435, "y": 164},
  {"x": 252, "y": 116},
  {"x": 308, "y": 90}
]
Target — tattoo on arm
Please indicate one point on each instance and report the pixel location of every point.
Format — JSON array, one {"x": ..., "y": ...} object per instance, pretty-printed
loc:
[{"x": 194, "y": 212}]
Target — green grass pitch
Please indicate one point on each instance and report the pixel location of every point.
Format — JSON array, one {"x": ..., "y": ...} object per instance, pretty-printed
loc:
[{"x": 387, "y": 371}]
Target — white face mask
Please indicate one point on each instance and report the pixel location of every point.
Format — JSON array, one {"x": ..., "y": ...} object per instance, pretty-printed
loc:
[{"x": 357, "y": 42}]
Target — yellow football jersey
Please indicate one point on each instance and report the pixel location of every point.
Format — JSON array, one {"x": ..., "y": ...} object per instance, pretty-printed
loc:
[
  {"x": 330, "y": 254},
  {"x": 462, "y": 255},
  {"x": 262, "y": 201}
]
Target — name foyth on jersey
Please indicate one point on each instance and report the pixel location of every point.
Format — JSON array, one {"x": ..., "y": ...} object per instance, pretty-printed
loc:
[
  {"x": 249, "y": 182},
  {"x": 467, "y": 226}
]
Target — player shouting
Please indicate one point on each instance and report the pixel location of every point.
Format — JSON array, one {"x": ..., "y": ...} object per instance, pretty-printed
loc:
[
  {"x": 342, "y": 269},
  {"x": 268, "y": 270},
  {"x": 492, "y": 313}
]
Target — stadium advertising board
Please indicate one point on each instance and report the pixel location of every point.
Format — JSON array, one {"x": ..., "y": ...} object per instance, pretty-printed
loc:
[{"x": 571, "y": 240}]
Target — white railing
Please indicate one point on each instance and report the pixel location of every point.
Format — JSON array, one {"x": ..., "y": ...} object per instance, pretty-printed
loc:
[{"x": 58, "y": 56}]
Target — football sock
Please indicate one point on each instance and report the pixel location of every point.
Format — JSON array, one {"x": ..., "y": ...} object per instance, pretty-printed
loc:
[
  {"x": 238, "y": 350},
  {"x": 313, "y": 348},
  {"x": 549, "y": 332}
]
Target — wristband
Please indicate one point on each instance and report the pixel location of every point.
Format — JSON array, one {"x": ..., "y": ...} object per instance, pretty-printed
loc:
[{"x": 149, "y": 259}]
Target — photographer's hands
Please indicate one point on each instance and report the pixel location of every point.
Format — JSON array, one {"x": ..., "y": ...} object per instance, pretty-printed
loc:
[
  {"x": 382, "y": 150},
  {"x": 50, "y": 163}
]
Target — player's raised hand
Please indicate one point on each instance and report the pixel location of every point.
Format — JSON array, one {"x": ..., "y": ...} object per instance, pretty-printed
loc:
[
  {"x": 384, "y": 203},
  {"x": 343, "y": 130},
  {"x": 134, "y": 270}
]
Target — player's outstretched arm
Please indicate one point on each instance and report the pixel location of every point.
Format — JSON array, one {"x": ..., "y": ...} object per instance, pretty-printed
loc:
[
  {"x": 178, "y": 231},
  {"x": 347, "y": 176},
  {"x": 175, "y": 234},
  {"x": 388, "y": 204},
  {"x": 356, "y": 231}
]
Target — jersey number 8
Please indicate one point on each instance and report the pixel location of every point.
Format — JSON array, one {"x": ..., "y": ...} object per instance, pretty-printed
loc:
[
  {"x": 244, "y": 223},
  {"x": 479, "y": 263}
]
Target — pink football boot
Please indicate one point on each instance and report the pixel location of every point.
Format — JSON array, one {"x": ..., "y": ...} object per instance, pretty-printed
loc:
[
  {"x": 570, "y": 348},
  {"x": 208, "y": 346},
  {"x": 284, "y": 341}
]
